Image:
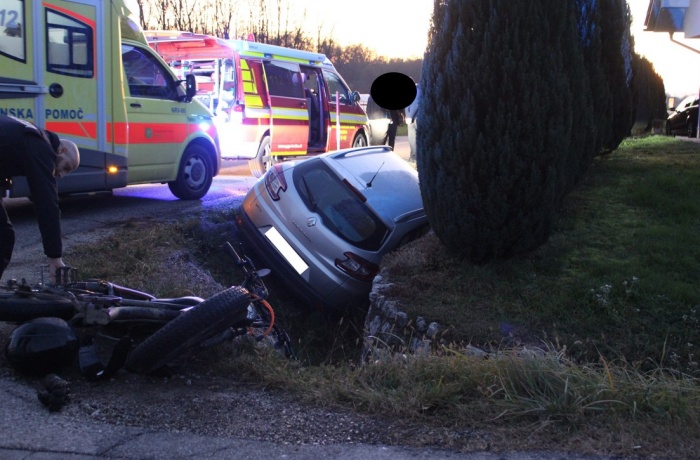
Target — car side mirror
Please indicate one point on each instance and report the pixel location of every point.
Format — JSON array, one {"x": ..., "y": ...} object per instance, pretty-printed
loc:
[
  {"x": 355, "y": 97},
  {"x": 190, "y": 87}
]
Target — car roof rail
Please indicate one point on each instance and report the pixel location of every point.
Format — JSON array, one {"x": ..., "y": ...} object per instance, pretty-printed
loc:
[{"x": 410, "y": 215}]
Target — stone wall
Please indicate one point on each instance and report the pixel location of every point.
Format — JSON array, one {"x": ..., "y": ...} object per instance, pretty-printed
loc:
[{"x": 388, "y": 329}]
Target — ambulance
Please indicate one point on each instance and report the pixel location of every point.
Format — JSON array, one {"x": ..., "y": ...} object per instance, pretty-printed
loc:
[
  {"x": 83, "y": 69},
  {"x": 271, "y": 103}
]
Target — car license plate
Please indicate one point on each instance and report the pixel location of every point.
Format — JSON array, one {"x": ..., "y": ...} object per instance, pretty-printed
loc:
[{"x": 286, "y": 250}]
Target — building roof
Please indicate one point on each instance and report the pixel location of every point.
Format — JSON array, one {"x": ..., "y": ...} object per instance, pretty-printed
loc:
[{"x": 674, "y": 16}]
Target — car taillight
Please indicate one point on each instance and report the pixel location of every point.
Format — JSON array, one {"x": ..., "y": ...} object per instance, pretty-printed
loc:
[
  {"x": 275, "y": 182},
  {"x": 357, "y": 267}
]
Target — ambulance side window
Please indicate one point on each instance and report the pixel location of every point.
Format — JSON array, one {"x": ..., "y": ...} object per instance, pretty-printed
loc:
[
  {"x": 284, "y": 79},
  {"x": 336, "y": 84},
  {"x": 145, "y": 75},
  {"x": 69, "y": 44},
  {"x": 228, "y": 77},
  {"x": 12, "y": 40}
]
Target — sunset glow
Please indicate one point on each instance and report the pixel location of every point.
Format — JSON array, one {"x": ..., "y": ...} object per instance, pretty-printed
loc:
[{"x": 399, "y": 28}]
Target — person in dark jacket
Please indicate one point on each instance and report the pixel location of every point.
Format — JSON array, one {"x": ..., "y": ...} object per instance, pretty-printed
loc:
[
  {"x": 397, "y": 118},
  {"x": 40, "y": 156}
]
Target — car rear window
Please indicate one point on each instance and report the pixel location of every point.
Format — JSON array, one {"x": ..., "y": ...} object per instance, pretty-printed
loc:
[{"x": 341, "y": 210}]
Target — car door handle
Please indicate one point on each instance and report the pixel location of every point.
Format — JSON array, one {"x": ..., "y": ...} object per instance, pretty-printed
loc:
[{"x": 136, "y": 105}]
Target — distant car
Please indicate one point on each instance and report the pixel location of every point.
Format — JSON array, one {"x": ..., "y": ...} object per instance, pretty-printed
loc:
[
  {"x": 684, "y": 119},
  {"x": 323, "y": 224},
  {"x": 378, "y": 119}
]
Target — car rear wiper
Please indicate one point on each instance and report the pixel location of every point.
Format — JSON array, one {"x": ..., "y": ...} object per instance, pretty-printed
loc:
[{"x": 309, "y": 195}]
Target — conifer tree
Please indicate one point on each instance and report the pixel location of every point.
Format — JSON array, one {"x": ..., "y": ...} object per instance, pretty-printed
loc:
[
  {"x": 616, "y": 62},
  {"x": 506, "y": 122},
  {"x": 649, "y": 93}
]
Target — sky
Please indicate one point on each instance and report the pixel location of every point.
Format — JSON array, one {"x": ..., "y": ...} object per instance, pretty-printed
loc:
[
  {"x": 399, "y": 28},
  {"x": 392, "y": 28}
]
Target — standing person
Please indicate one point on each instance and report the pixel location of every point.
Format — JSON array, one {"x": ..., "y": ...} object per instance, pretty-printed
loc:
[
  {"x": 40, "y": 156},
  {"x": 411, "y": 122},
  {"x": 397, "y": 118}
]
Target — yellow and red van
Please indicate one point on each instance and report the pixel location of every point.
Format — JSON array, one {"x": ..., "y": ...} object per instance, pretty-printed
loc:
[
  {"x": 272, "y": 103},
  {"x": 83, "y": 69}
]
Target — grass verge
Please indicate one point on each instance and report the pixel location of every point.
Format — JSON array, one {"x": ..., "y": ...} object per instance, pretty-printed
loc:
[{"x": 617, "y": 279}]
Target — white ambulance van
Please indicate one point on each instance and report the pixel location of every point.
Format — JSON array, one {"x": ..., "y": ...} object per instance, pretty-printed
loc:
[
  {"x": 272, "y": 103},
  {"x": 83, "y": 69}
]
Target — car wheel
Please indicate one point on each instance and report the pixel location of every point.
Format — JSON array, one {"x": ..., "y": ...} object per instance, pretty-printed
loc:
[
  {"x": 194, "y": 176},
  {"x": 360, "y": 141},
  {"x": 263, "y": 160},
  {"x": 691, "y": 129},
  {"x": 668, "y": 128}
]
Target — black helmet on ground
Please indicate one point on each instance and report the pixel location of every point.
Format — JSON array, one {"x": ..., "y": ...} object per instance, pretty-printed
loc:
[{"x": 41, "y": 346}]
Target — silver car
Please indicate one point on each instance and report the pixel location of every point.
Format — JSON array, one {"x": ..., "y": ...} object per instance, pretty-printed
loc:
[{"x": 323, "y": 224}]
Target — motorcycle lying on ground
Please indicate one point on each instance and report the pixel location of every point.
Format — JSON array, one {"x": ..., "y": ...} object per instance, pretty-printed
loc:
[{"x": 146, "y": 333}]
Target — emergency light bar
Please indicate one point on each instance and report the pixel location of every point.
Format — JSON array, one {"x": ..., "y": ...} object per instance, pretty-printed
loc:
[
  {"x": 278, "y": 52},
  {"x": 176, "y": 40}
]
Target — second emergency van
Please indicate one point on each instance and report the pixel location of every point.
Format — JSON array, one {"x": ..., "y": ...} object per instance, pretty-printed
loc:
[
  {"x": 83, "y": 69},
  {"x": 272, "y": 103}
]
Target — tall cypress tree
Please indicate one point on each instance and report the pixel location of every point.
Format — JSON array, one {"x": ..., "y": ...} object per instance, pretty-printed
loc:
[
  {"x": 506, "y": 122},
  {"x": 607, "y": 45},
  {"x": 649, "y": 93},
  {"x": 590, "y": 31},
  {"x": 616, "y": 62}
]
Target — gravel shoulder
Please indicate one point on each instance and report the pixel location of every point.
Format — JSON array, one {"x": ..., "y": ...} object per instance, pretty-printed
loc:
[{"x": 195, "y": 399}]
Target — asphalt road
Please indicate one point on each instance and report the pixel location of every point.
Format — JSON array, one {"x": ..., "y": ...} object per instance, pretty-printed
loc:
[{"x": 89, "y": 217}]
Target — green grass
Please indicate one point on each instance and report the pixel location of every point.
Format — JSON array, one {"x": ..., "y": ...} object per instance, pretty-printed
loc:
[
  {"x": 618, "y": 278},
  {"x": 609, "y": 305}
]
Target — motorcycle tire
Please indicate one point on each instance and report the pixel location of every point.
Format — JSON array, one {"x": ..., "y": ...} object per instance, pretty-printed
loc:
[
  {"x": 189, "y": 329},
  {"x": 16, "y": 308}
]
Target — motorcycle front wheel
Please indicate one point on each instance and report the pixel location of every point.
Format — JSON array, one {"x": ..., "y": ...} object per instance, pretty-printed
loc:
[{"x": 189, "y": 329}]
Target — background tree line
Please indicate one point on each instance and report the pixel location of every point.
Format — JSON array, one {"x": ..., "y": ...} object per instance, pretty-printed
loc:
[
  {"x": 274, "y": 22},
  {"x": 277, "y": 23}
]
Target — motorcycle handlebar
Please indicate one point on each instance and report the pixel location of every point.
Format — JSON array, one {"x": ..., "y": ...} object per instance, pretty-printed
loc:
[{"x": 233, "y": 254}]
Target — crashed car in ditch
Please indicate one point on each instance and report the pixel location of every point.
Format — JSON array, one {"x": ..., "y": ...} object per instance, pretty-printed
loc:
[{"x": 323, "y": 224}]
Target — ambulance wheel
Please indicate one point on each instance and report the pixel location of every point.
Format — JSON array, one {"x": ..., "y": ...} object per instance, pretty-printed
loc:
[
  {"x": 263, "y": 160},
  {"x": 194, "y": 176},
  {"x": 360, "y": 141}
]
